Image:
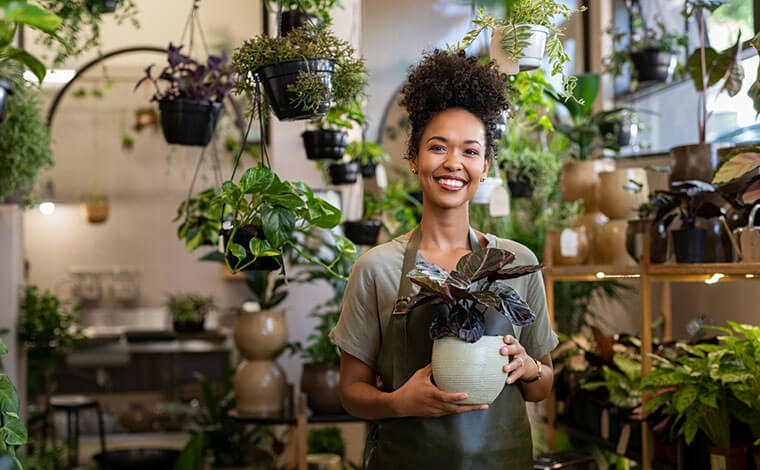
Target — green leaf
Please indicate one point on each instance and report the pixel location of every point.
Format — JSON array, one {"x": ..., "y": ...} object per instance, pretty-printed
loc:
[
  {"x": 585, "y": 92},
  {"x": 191, "y": 457},
  {"x": 657, "y": 401},
  {"x": 8, "y": 395},
  {"x": 32, "y": 15},
  {"x": 752, "y": 193},
  {"x": 3, "y": 347},
  {"x": 194, "y": 238},
  {"x": 237, "y": 251},
  {"x": 256, "y": 180},
  {"x": 684, "y": 397},
  {"x": 261, "y": 247},
  {"x": 25, "y": 58},
  {"x": 690, "y": 428},
  {"x": 278, "y": 224},
  {"x": 323, "y": 214},
  {"x": 13, "y": 431},
  {"x": 7, "y": 31},
  {"x": 630, "y": 367}
]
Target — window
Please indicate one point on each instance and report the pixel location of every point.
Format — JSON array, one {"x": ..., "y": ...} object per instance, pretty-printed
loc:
[{"x": 725, "y": 23}]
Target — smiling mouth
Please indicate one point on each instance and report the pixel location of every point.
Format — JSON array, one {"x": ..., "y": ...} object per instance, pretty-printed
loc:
[{"x": 450, "y": 184}]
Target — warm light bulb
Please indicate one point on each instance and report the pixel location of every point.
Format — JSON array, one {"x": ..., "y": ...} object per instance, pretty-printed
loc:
[
  {"x": 714, "y": 278},
  {"x": 47, "y": 208},
  {"x": 600, "y": 275},
  {"x": 749, "y": 276}
]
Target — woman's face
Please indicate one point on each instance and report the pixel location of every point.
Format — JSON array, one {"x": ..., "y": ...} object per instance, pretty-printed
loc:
[{"x": 451, "y": 160}]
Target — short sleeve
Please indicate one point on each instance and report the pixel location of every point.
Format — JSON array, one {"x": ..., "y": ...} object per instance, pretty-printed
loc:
[
  {"x": 538, "y": 338},
  {"x": 358, "y": 328}
]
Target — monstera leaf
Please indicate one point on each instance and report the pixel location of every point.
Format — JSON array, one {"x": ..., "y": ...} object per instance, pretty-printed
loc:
[
  {"x": 467, "y": 323},
  {"x": 479, "y": 264},
  {"x": 512, "y": 305}
]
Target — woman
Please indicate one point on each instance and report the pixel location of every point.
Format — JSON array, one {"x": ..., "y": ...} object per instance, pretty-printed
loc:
[{"x": 454, "y": 105}]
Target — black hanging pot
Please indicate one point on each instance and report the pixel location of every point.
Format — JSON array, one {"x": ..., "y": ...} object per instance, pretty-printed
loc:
[
  {"x": 362, "y": 232},
  {"x": 652, "y": 65},
  {"x": 689, "y": 245},
  {"x": 137, "y": 459},
  {"x": 276, "y": 78},
  {"x": 243, "y": 237},
  {"x": 369, "y": 169},
  {"x": 344, "y": 173},
  {"x": 324, "y": 144},
  {"x": 520, "y": 188},
  {"x": 5, "y": 92},
  {"x": 190, "y": 326},
  {"x": 620, "y": 130},
  {"x": 187, "y": 122},
  {"x": 292, "y": 19}
]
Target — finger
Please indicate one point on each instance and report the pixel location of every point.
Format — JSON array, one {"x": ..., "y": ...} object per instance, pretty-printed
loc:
[
  {"x": 509, "y": 339},
  {"x": 512, "y": 350},
  {"x": 427, "y": 371},
  {"x": 449, "y": 397},
  {"x": 516, "y": 363},
  {"x": 516, "y": 374},
  {"x": 459, "y": 409}
]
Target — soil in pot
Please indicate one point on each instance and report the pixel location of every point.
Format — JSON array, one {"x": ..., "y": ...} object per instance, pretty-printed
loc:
[
  {"x": 5, "y": 91},
  {"x": 362, "y": 232},
  {"x": 187, "y": 122},
  {"x": 324, "y": 144},
  {"x": 243, "y": 238},
  {"x": 322, "y": 387},
  {"x": 276, "y": 78},
  {"x": 652, "y": 65},
  {"x": 344, "y": 173},
  {"x": 689, "y": 245},
  {"x": 292, "y": 19}
]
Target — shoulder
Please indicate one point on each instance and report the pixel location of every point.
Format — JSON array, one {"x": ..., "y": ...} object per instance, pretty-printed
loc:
[
  {"x": 383, "y": 258},
  {"x": 523, "y": 254}
]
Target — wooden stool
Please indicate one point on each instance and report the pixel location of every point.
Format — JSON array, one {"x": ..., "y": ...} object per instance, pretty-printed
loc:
[{"x": 72, "y": 404}]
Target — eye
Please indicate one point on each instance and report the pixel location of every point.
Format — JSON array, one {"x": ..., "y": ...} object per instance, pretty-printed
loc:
[
  {"x": 472, "y": 152},
  {"x": 437, "y": 148}
]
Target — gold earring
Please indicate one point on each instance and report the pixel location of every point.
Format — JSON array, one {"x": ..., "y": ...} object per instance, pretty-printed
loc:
[
  {"x": 414, "y": 171},
  {"x": 482, "y": 179}
]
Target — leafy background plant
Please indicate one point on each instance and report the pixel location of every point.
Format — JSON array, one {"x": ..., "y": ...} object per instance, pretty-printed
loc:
[
  {"x": 20, "y": 13},
  {"x": 189, "y": 307},
  {"x": 12, "y": 430},
  {"x": 319, "y": 8}
]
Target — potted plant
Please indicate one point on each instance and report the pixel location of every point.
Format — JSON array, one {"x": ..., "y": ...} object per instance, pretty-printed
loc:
[
  {"x": 328, "y": 140},
  {"x": 24, "y": 142},
  {"x": 13, "y": 430},
  {"x": 15, "y": 15},
  {"x": 741, "y": 165},
  {"x": 297, "y": 13},
  {"x": 649, "y": 221},
  {"x": 368, "y": 154},
  {"x": 346, "y": 172},
  {"x": 366, "y": 230},
  {"x": 528, "y": 167},
  {"x": 191, "y": 102},
  {"x": 201, "y": 220},
  {"x": 267, "y": 212},
  {"x": 188, "y": 311},
  {"x": 570, "y": 243},
  {"x": 458, "y": 334},
  {"x": 302, "y": 74},
  {"x": 94, "y": 207},
  {"x": 519, "y": 40}
]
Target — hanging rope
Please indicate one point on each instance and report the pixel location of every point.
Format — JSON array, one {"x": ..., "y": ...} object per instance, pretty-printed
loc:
[{"x": 193, "y": 21}]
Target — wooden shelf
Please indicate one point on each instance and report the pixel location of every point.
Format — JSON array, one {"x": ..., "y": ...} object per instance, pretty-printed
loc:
[
  {"x": 591, "y": 272},
  {"x": 657, "y": 272}
]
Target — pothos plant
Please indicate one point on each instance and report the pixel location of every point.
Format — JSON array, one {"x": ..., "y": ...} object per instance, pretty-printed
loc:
[
  {"x": 12, "y": 430},
  {"x": 319, "y": 8},
  {"x": 736, "y": 165},
  {"x": 201, "y": 220},
  {"x": 475, "y": 286},
  {"x": 366, "y": 152},
  {"x": 20, "y": 13},
  {"x": 281, "y": 209},
  {"x": 341, "y": 117}
]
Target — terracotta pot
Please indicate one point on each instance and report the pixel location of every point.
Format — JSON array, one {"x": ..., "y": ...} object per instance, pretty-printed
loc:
[
  {"x": 593, "y": 221},
  {"x": 617, "y": 202},
  {"x": 259, "y": 334},
  {"x": 580, "y": 180},
  {"x": 732, "y": 458},
  {"x": 658, "y": 240},
  {"x": 574, "y": 250},
  {"x": 612, "y": 243},
  {"x": 260, "y": 388},
  {"x": 321, "y": 384},
  {"x": 95, "y": 212},
  {"x": 694, "y": 162},
  {"x": 453, "y": 370}
]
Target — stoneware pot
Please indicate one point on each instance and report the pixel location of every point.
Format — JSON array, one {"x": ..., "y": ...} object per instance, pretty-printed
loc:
[
  {"x": 689, "y": 245},
  {"x": 485, "y": 188},
  {"x": 362, "y": 232},
  {"x": 593, "y": 221},
  {"x": 260, "y": 388},
  {"x": 732, "y": 458},
  {"x": 258, "y": 334},
  {"x": 718, "y": 247},
  {"x": 188, "y": 122},
  {"x": 617, "y": 199},
  {"x": 569, "y": 246},
  {"x": 95, "y": 212},
  {"x": 653, "y": 65},
  {"x": 580, "y": 180},
  {"x": 749, "y": 240},
  {"x": 504, "y": 62},
  {"x": 533, "y": 53},
  {"x": 472, "y": 368},
  {"x": 276, "y": 80},
  {"x": 324, "y": 144},
  {"x": 694, "y": 162},
  {"x": 658, "y": 240},
  {"x": 619, "y": 131},
  {"x": 612, "y": 243},
  {"x": 321, "y": 384}
]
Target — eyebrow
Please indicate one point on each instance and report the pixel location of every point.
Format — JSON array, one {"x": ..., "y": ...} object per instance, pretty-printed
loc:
[{"x": 445, "y": 140}]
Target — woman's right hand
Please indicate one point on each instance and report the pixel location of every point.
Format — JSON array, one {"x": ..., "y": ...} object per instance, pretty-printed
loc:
[{"x": 419, "y": 397}]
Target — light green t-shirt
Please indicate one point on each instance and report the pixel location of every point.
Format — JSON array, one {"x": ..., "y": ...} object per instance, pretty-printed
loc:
[{"x": 373, "y": 285}]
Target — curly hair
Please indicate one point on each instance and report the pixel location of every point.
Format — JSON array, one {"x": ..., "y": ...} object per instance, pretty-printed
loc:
[{"x": 444, "y": 80}]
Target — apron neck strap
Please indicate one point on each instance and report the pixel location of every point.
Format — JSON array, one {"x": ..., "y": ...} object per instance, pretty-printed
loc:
[{"x": 410, "y": 258}]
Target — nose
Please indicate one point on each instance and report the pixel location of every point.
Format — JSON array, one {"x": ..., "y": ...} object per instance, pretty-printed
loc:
[{"x": 453, "y": 162}]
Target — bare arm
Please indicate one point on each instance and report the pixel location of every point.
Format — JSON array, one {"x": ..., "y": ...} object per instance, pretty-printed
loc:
[
  {"x": 417, "y": 397},
  {"x": 523, "y": 366}
]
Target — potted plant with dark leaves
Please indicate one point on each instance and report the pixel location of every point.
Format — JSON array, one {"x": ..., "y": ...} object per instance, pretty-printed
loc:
[
  {"x": 328, "y": 140},
  {"x": 458, "y": 333},
  {"x": 267, "y": 213},
  {"x": 201, "y": 220},
  {"x": 366, "y": 230},
  {"x": 368, "y": 154},
  {"x": 192, "y": 99},
  {"x": 302, "y": 74},
  {"x": 188, "y": 311},
  {"x": 297, "y": 13}
]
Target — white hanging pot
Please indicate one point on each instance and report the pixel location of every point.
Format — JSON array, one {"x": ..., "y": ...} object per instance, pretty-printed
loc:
[
  {"x": 533, "y": 53},
  {"x": 504, "y": 61},
  {"x": 485, "y": 188},
  {"x": 476, "y": 369}
]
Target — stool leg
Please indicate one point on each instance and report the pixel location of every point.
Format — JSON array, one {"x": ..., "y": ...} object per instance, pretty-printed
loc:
[
  {"x": 76, "y": 437},
  {"x": 101, "y": 430},
  {"x": 70, "y": 436}
]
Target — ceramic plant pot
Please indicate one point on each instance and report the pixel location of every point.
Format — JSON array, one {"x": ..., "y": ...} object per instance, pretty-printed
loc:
[
  {"x": 324, "y": 144},
  {"x": 520, "y": 188},
  {"x": 187, "y": 122},
  {"x": 580, "y": 180},
  {"x": 658, "y": 240},
  {"x": 344, "y": 173},
  {"x": 95, "y": 212},
  {"x": 260, "y": 388},
  {"x": 593, "y": 221},
  {"x": 292, "y": 19},
  {"x": 695, "y": 162},
  {"x": 689, "y": 245},
  {"x": 321, "y": 384},
  {"x": 258, "y": 334},
  {"x": 472, "y": 368},
  {"x": 617, "y": 199},
  {"x": 362, "y": 232},
  {"x": 277, "y": 78},
  {"x": 612, "y": 243},
  {"x": 732, "y": 458},
  {"x": 533, "y": 53},
  {"x": 653, "y": 65},
  {"x": 569, "y": 246},
  {"x": 483, "y": 193},
  {"x": 243, "y": 237}
]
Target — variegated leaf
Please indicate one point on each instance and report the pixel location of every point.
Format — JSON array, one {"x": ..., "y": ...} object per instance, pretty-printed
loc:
[
  {"x": 478, "y": 264},
  {"x": 430, "y": 277},
  {"x": 736, "y": 165},
  {"x": 487, "y": 298},
  {"x": 752, "y": 193},
  {"x": 457, "y": 280}
]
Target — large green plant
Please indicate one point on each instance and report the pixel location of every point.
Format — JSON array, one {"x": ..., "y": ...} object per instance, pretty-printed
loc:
[
  {"x": 12, "y": 430},
  {"x": 525, "y": 162},
  {"x": 20, "y": 13},
  {"x": 201, "y": 220},
  {"x": 623, "y": 382},
  {"x": 24, "y": 140}
]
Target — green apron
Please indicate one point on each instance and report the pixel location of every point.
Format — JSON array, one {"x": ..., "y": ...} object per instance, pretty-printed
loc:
[{"x": 496, "y": 438}]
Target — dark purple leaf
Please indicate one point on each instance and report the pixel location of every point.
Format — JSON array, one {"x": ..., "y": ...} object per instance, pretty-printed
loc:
[
  {"x": 512, "y": 305},
  {"x": 439, "y": 328},
  {"x": 457, "y": 281},
  {"x": 467, "y": 323},
  {"x": 512, "y": 272},
  {"x": 478, "y": 264},
  {"x": 487, "y": 298},
  {"x": 430, "y": 277},
  {"x": 146, "y": 77},
  {"x": 174, "y": 56}
]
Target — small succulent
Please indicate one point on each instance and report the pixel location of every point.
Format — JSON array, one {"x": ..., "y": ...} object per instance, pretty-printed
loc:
[{"x": 470, "y": 290}]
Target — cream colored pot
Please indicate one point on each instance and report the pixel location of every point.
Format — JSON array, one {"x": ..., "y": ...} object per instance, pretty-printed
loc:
[
  {"x": 258, "y": 334},
  {"x": 472, "y": 368},
  {"x": 617, "y": 198},
  {"x": 260, "y": 388},
  {"x": 612, "y": 244},
  {"x": 580, "y": 180},
  {"x": 533, "y": 53},
  {"x": 569, "y": 246},
  {"x": 593, "y": 221}
]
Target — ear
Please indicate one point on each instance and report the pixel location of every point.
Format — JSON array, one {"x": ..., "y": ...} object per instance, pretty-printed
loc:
[
  {"x": 413, "y": 165},
  {"x": 486, "y": 165}
]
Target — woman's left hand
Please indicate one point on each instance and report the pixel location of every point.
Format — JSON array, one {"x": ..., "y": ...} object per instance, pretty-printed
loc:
[{"x": 521, "y": 364}]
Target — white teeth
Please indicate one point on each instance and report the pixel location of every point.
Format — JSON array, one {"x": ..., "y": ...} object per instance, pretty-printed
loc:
[{"x": 454, "y": 183}]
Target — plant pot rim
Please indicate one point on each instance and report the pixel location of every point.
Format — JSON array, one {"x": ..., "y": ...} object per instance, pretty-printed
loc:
[
  {"x": 348, "y": 164},
  {"x": 166, "y": 100},
  {"x": 287, "y": 62},
  {"x": 372, "y": 222},
  {"x": 717, "y": 145},
  {"x": 323, "y": 131},
  {"x": 536, "y": 28}
]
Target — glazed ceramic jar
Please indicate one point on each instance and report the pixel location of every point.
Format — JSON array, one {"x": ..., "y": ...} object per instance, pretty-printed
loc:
[
  {"x": 612, "y": 243},
  {"x": 321, "y": 384},
  {"x": 593, "y": 221},
  {"x": 570, "y": 246},
  {"x": 259, "y": 333},
  {"x": 618, "y": 195},
  {"x": 580, "y": 180}
]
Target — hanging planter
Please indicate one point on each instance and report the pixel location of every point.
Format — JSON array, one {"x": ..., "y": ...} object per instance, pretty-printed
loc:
[
  {"x": 187, "y": 122},
  {"x": 521, "y": 188},
  {"x": 248, "y": 262},
  {"x": 280, "y": 82},
  {"x": 533, "y": 51},
  {"x": 324, "y": 144},
  {"x": 95, "y": 208},
  {"x": 5, "y": 92},
  {"x": 292, "y": 19},
  {"x": 618, "y": 131},
  {"x": 103, "y": 6},
  {"x": 485, "y": 188},
  {"x": 362, "y": 232},
  {"x": 344, "y": 173},
  {"x": 653, "y": 65},
  {"x": 367, "y": 155},
  {"x": 369, "y": 169}
]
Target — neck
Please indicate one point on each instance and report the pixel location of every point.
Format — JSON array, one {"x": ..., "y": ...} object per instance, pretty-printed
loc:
[{"x": 445, "y": 229}]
